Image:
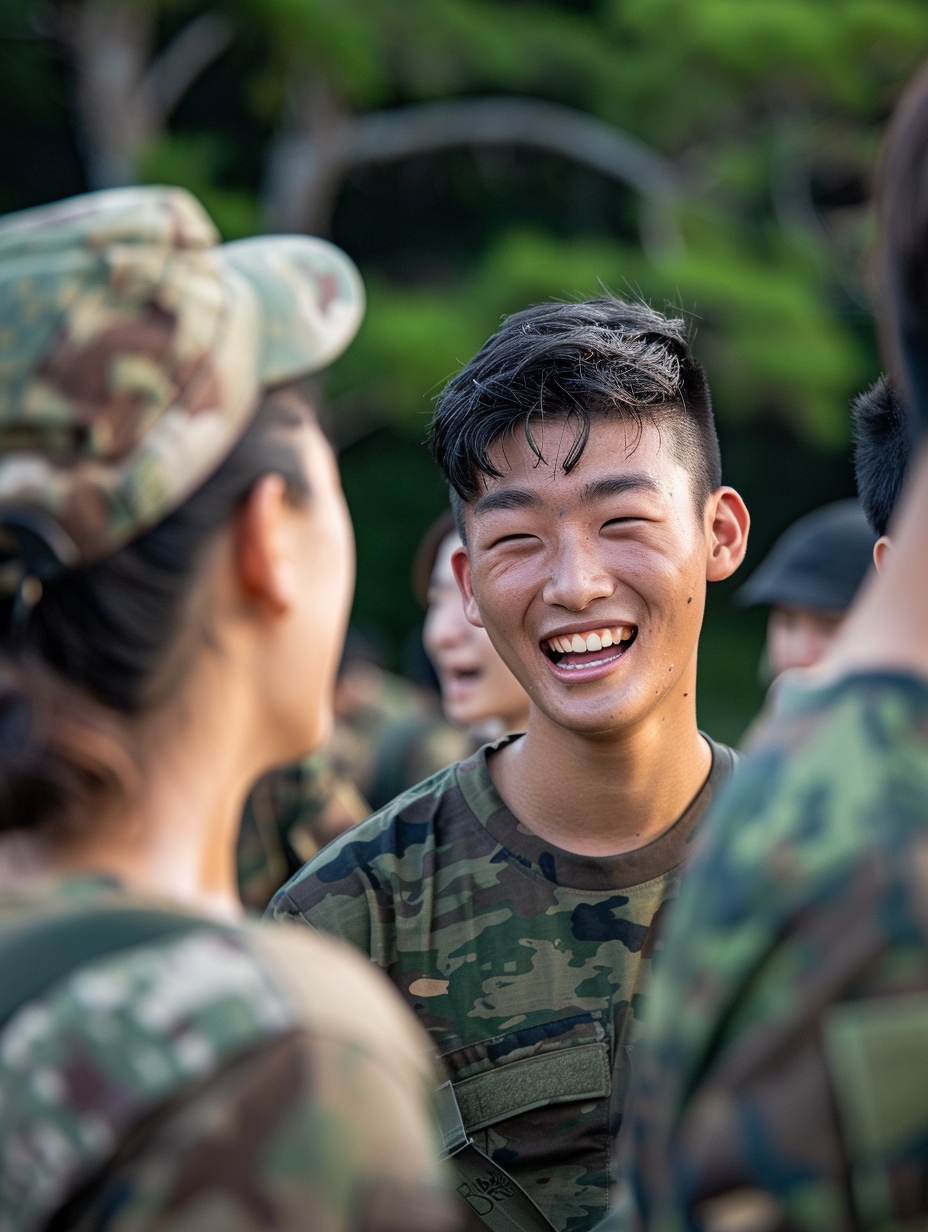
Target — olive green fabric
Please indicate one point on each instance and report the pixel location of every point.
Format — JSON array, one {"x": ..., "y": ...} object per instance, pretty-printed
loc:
[{"x": 526, "y": 964}]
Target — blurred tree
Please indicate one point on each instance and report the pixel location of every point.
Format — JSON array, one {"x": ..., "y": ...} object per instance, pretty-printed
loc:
[
  {"x": 766, "y": 116},
  {"x": 477, "y": 155}
]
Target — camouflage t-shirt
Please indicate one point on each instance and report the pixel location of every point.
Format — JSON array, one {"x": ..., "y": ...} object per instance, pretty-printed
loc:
[
  {"x": 524, "y": 962},
  {"x": 243, "y": 1079},
  {"x": 783, "y": 1079}
]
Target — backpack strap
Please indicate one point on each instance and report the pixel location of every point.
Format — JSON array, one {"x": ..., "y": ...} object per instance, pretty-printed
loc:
[
  {"x": 491, "y": 1193},
  {"x": 37, "y": 952}
]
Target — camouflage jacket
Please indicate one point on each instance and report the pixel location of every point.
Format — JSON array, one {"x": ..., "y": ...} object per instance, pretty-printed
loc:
[
  {"x": 289, "y": 815},
  {"x": 524, "y": 962},
  {"x": 783, "y": 1080},
  {"x": 236, "y": 1078}
]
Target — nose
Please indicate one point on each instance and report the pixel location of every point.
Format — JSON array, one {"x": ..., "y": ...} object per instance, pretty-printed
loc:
[{"x": 577, "y": 577}]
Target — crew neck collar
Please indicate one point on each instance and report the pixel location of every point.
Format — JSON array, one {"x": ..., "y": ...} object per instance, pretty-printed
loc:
[{"x": 540, "y": 858}]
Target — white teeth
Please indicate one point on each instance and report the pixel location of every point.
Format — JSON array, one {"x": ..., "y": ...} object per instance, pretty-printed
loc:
[{"x": 602, "y": 639}]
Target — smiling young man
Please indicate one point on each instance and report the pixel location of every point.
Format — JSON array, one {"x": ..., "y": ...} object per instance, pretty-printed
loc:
[{"x": 514, "y": 897}]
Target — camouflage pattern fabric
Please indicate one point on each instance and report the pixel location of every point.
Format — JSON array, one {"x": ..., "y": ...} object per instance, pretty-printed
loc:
[
  {"x": 222, "y": 1079},
  {"x": 783, "y": 1078},
  {"x": 291, "y": 814},
  {"x": 133, "y": 348},
  {"x": 525, "y": 963}
]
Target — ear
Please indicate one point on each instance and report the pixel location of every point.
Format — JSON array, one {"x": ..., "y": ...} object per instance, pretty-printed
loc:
[
  {"x": 263, "y": 547},
  {"x": 728, "y": 525},
  {"x": 881, "y": 550},
  {"x": 460, "y": 564}
]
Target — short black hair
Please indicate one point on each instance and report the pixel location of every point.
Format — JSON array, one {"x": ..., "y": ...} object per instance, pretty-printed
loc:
[
  {"x": 882, "y": 444},
  {"x": 576, "y": 361}
]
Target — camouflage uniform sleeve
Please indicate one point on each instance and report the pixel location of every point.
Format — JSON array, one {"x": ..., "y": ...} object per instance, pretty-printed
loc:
[
  {"x": 782, "y": 1081},
  {"x": 348, "y": 889}
]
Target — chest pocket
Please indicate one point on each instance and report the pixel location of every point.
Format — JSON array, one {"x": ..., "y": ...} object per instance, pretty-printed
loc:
[{"x": 537, "y": 1103}]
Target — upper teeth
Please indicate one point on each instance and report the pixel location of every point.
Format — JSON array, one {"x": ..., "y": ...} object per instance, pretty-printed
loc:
[{"x": 599, "y": 639}]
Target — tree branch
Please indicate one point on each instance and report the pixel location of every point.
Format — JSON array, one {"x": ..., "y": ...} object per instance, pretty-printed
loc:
[
  {"x": 384, "y": 136},
  {"x": 174, "y": 70},
  {"x": 307, "y": 158}
]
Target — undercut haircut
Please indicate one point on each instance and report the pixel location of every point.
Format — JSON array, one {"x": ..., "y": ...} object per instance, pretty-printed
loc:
[
  {"x": 882, "y": 445},
  {"x": 576, "y": 362}
]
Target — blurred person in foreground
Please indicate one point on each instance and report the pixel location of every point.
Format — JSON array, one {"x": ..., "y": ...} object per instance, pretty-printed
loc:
[
  {"x": 177, "y": 561},
  {"x": 515, "y": 897},
  {"x": 809, "y": 579},
  {"x": 882, "y": 448},
  {"x": 478, "y": 691},
  {"x": 782, "y": 1079}
]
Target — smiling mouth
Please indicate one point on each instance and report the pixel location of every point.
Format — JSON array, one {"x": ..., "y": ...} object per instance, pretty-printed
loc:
[
  {"x": 591, "y": 649},
  {"x": 462, "y": 675}
]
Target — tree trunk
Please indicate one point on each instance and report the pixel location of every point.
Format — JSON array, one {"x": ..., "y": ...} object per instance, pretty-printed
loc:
[{"x": 124, "y": 96}]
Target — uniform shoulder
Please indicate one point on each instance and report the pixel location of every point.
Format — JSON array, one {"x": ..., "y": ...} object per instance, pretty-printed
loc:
[
  {"x": 407, "y": 821},
  {"x": 337, "y": 993}
]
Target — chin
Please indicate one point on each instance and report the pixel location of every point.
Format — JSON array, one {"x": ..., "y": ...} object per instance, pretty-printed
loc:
[{"x": 600, "y": 717}]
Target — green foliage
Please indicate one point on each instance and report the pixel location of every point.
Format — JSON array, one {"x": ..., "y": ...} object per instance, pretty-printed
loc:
[
  {"x": 196, "y": 162},
  {"x": 770, "y": 339}
]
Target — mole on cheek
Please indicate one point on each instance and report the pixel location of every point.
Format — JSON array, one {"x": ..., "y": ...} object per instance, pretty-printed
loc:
[{"x": 690, "y": 599}]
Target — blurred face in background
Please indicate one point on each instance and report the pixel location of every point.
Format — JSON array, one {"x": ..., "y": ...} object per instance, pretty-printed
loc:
[
  {"x": 476, "y": 685},
  {"x": 800, "y": 636}
]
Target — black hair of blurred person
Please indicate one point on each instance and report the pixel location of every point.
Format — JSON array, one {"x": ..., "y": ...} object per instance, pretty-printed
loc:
[
  {"x": 882, "y": 445},
  {"x": 903, "y": 260},
  {"x": 574, "y": 362},
  {"x": 114, "y": 637}
]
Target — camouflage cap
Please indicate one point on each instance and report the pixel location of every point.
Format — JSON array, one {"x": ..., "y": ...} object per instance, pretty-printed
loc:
[{"x": 133, "y": 347}]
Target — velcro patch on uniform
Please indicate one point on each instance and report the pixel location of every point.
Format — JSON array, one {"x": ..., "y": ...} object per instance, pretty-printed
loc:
[
  {"x": 878, "y": 1057},
  {"x": 551, "y": 1078}
]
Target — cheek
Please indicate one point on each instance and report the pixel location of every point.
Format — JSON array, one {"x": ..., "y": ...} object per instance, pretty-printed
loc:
[{"x": 504, "y": 590}]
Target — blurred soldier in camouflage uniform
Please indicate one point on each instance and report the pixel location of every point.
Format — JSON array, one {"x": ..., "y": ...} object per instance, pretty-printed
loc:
[
  {"x": 515, "y": 898},
  {"x": 782, "y": 1082},
  {"x": 387, "y": 737},
  {"x": 176, "y": 561}
]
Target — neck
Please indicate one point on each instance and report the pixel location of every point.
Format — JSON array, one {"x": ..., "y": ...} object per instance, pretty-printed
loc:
[
  {"x": 888, "y": 627},
  {"x": 606, "y": 794},
  {"x": 178, "y": 840}
]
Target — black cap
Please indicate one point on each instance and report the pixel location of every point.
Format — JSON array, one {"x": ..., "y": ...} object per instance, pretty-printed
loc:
[{"x": 819, "y": 562}]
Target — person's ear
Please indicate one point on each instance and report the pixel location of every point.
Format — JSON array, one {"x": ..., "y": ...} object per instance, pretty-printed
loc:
[
  {"x": 881, "y": 549},
  {"x": 460, "y": 565},
  {"x": 264, "y": 551},
  {"x": 728, "y": 525}
]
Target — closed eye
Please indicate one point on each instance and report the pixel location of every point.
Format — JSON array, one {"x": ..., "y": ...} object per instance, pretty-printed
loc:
[
  {"x": 514, "y": 538},
  {"x": 622, "y": 521}
]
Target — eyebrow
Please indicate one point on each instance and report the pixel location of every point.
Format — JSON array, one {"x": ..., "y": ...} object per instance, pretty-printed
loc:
[
  {"x": 507, "y": 498},
  {"x": 617, "y": 485},
  {"x": 599, "y": 489}
]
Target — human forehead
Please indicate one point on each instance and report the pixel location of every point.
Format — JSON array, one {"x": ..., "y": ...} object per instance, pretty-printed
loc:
[{"x": 639, "y": 455}]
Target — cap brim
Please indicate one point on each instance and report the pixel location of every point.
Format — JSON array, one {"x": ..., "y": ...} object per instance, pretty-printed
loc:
[{"x": 311, "y": 301}]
